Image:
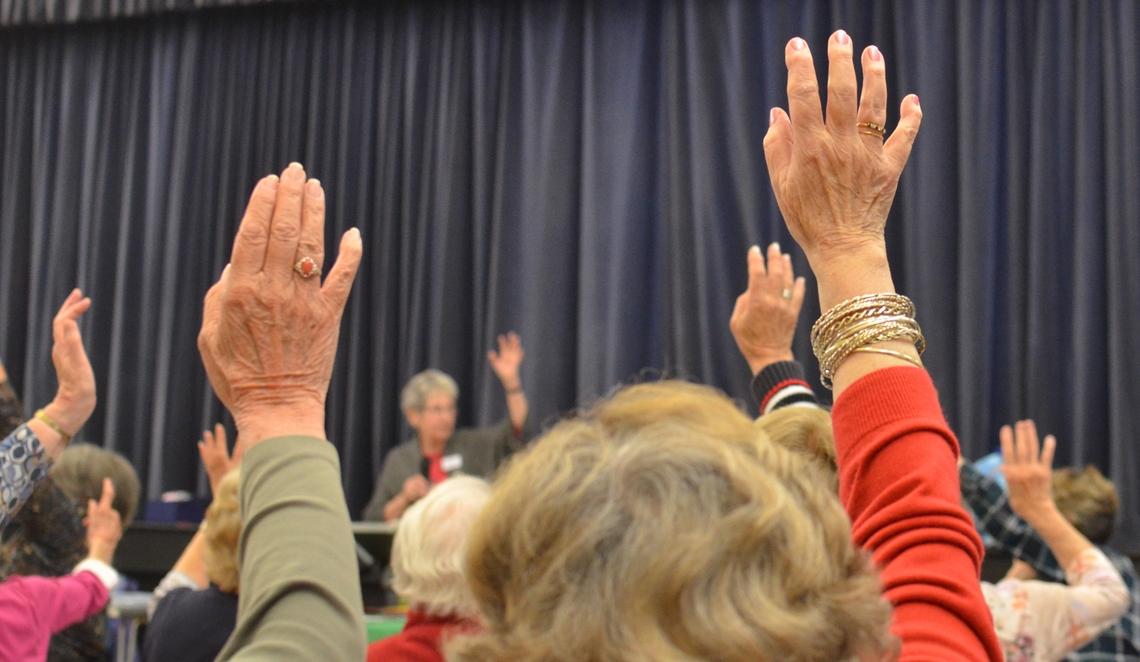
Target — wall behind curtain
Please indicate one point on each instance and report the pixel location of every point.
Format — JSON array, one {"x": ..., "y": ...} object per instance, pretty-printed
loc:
[{"x": 589, "y": 174}]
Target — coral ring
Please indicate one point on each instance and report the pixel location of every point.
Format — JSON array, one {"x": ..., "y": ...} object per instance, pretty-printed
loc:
[{"x": 306, "y": 267}]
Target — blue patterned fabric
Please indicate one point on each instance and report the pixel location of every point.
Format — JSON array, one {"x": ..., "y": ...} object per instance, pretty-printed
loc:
[
  {"x": 23, "y": 464},
  {"x": 990, "y": 503}
]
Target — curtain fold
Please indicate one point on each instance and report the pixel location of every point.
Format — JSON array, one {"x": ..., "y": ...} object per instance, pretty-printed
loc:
[{"x": 588, "y": 174}]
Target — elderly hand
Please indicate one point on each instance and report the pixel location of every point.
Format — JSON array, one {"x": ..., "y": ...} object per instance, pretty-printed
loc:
[
  {"x": 834, "y": 183},
  {"x": 507, "y": 360},
  {"x": 216, "y": 455},
  {"x": 104, "y": 526},
  {"x": 269, "y": 335},
  {"x": 1028, "y": 473},
  {"x": 75, "y": 399},
  {"x": 764, "y": 319}
]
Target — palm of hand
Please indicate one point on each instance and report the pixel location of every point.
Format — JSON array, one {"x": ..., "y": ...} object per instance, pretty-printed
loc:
[{"x": 508, "y": 359}]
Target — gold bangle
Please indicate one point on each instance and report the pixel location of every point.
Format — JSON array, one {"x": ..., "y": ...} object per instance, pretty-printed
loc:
[
  {"x": 856, "y": 324},
  {"x": 890, "y": 352},
  {"x": 43, "y": 417}
]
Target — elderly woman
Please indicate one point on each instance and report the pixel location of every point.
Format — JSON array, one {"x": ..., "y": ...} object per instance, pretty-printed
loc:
[
  {"x": 427, "y": 569},
  {"x": 664, "y": 526},
  {"x": 439, "y": 450},
  {"x": 195, "y": 606}
]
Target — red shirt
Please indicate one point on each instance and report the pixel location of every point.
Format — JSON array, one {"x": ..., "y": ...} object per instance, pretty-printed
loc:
[
  {"x": 421, "y": 640},
  {"x": 899, "y": 483}
]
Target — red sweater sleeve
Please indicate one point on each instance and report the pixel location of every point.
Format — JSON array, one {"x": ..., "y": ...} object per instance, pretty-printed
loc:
[{"x": 898, "y": 481}]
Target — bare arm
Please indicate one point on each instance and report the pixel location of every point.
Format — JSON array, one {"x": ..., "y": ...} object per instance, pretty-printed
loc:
[{"x": 506, "y": 364}]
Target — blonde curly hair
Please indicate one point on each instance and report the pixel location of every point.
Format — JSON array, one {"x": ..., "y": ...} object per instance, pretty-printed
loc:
[
  {"x": 664, "y": 525},
  {"x": 223, "y": 529}
]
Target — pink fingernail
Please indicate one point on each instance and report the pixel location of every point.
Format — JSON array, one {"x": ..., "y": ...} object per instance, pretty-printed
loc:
[
  {"x": 771, "y": 117},
  {"x": 841, "y": 38},
  {"x": 798, "y": 44},
  {"x": 875, "y": 54},
  {"x": 916, "y": 100}
]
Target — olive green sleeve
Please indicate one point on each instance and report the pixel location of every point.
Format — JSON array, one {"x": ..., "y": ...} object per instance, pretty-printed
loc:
[{"x": 300, "y": 586}]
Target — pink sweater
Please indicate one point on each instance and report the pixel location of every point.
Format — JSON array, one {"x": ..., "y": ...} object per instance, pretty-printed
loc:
[
  {"x": 898, "y": 479},
  {"x": 34, "y": 608}
]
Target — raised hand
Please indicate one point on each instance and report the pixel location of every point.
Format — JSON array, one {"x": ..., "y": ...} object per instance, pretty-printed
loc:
[
  {"x": 269, "y": 327},
  {"x": 75, "y": 400},
  {"x": 835, "y": 181},
  {"x": 216, "y": 455},
  {"x": 764, "y": 319},
  {"x": 507, "y": 360},
  {"x": 104, "y": 526},
  {"x": 1028, "y": 469}
]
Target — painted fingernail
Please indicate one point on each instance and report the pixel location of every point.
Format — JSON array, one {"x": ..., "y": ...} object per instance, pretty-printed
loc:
[
  {"x": 915, "y": 99},
  {"x": 875, "y": 54},
  {"x": 313, "y": 189},
  {"x": 798, "y": 44},
  {"x": 841, "y": 38},
  {"x": 771, "y": 117}
]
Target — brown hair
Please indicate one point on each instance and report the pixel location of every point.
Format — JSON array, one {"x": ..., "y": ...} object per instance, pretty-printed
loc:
[
  {"x": 1088, "y": 500},
  {"x": 223, "y": 528},
  {"x": 664, "y": 525},
  {"x": 80, "y": 471}
]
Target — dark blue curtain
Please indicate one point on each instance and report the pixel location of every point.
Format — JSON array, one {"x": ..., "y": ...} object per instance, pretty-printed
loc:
[{"x": 589, "y": 174}]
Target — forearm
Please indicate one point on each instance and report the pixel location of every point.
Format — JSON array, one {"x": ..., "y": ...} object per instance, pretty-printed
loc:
[
  {"x": 1062, "y": 538},
  {"x": 517, "y": 407},
  {"x": 26, "y": 463}
]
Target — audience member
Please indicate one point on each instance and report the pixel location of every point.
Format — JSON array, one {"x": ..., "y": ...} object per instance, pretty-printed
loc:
[
  {"x": 47, "y": 537},
  {"x": 27, "y": 452},
  {"x": 268, "y": 341},
  {"x": 33, "y": 608},
  {"x": 439, "y": 450},
  {"x": 195, "y": 606},
  {"x": 427, "y": 568},
  {"x": 1086, "y": 500}
]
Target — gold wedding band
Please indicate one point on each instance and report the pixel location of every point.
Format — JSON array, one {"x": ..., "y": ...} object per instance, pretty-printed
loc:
[{"x": 872, "y": 126}]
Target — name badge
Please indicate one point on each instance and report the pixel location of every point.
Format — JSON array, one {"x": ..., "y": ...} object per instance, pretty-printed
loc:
[{"x": 451, "y": 463}]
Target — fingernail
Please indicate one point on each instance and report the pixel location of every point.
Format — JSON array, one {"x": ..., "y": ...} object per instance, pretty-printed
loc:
[
  {"x": 915, "y": 99},
  {"x": 295, "y": 171},
  {"x": 313, "y": 189},
  {"x": 798, "y": 44},
  {"x": 355, "y": 231},
  {"x": 875, "y": 54},
  {"x": 776, "y": 245},
  {"x": 270, "y": 183},
  {"x": 754, "y": 249},
  {"x": 841, "y": 38},
  {"x": 771, "y": 117}
]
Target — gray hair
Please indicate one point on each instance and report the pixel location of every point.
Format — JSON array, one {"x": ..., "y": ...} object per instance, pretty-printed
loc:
[
  {"x": 80, "y": 471},
  {"x": 420, "y": 387},
  {"x": 430, "y": 546}
]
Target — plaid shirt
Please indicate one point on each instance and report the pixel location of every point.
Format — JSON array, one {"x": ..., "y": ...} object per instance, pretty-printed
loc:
[{"x": 990, "y": 503}]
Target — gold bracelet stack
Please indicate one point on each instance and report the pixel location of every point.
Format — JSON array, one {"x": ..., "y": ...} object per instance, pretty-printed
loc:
[
  {"x": 42, "y": 416},
  {"x": 854, "y": 325}
]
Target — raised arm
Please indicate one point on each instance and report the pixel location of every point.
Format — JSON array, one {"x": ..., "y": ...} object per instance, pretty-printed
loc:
[
  {"x": 268, "y": 341},
  {"x": 506, "y": 364},
  {"x": 834, "y": 182}
]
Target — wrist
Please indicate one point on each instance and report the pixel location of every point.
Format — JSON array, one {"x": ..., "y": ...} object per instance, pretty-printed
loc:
[
  {"x": 101, "y": 551},
  {"x": 512, "y": 386},
  {"x": 844, "y": 274},
  {"x": 759, "y": 361},
  {"x": 267, "y": 422},
  {"x": 68, "y": 414}
]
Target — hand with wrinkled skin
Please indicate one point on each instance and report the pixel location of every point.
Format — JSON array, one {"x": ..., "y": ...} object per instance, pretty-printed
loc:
[
  {"x": 216, "y": 457},
  {"x": 835, "y": 185},
  {"x": 104, "y": 526},
  {"x": 507, "y": 360},
  {"x": 269, "y": 336},
  {"x": 764, "y": 320}
]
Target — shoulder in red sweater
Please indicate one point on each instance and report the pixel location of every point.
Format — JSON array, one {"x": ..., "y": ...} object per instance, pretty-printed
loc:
[{"x": 421, "y": 639}]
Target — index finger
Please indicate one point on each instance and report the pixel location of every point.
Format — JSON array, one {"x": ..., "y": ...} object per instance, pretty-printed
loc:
[
  {"x": 108, "y": 494},
  {"x": 803, "y": 89}
]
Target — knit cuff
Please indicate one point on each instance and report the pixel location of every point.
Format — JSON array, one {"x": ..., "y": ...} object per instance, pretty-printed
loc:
[{"x": 781, "y": 384}]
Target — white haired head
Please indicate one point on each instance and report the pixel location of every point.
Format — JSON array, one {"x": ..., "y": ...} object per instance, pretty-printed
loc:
[{"x": 429, "y": 549}]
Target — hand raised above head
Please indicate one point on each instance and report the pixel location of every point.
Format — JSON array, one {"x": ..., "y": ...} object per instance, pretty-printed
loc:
[
  {"x": 508, "y": 359},
  {"x": 269, "y": 327},
  {"x": 75, "y": 400},
  {"x": 835, "y": 181},
  {"x": 215, "y": 455},
  {"x": 764, "y": 319},
  {"x": 1028, "y": 469},
  {"x": 104, "y": 526}
]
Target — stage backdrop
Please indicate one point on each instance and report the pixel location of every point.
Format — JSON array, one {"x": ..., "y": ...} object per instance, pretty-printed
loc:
[{"x": 589, "y": 174}]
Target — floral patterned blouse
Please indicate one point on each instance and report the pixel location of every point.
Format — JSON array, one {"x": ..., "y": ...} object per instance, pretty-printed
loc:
[{"x": 1040, "y": 621}]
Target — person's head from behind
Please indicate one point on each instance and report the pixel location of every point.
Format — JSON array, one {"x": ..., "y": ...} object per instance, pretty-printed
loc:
[
  {"x": 80, "y": 471},
  {"x": 1088, "y": 501},
  {"x": 664, "y": 525},
  {"x": 428, "y": 401},
  {"x": 222, "y": 531},
  {"x": 806, "y": 431}
]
